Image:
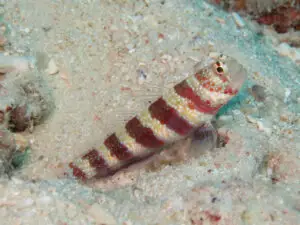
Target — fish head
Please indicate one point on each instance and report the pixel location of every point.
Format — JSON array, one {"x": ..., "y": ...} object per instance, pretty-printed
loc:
[{"x": 230, "y": 72}]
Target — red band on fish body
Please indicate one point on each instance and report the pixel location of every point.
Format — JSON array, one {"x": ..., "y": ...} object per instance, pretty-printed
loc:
[
  {"x": 170, "y": 117},
  {"x": 78, "y": 173},
  {"x": 142, "y": 135},
  {"x": 117, "y": 148},
  {"x": 185, "y": 91},
  {"x": 97, "y": 161}
]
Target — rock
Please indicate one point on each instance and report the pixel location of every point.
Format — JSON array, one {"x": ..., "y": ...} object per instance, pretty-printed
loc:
[
  {"x": 142, "y": 73},
  {"x": 52, "y": 68},
  {"x": 287, "y": 95},
  {"x": 285, "y": 49},
  {"x": 100, "y": 215},
  {"x": 258, "y": 92},
  {"x": 19, "y": 118}
]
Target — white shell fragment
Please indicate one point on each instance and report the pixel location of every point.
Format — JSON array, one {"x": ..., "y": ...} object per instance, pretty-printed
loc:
[
  {"x": 238, "y": 20},
  {"x": 261, "y": 125},
  {"x": 52, "y": 68},
  {"x": 285, "y": 49}
]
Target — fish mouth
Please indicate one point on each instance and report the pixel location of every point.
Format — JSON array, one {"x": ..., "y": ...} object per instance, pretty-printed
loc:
[{"x": 236, "y": 75}]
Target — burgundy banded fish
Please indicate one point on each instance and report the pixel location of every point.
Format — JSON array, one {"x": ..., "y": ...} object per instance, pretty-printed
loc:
[{"x": 184, "y": 108}]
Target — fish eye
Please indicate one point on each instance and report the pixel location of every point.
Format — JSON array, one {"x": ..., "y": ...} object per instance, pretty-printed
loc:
[{"x": 220, "y": 69}]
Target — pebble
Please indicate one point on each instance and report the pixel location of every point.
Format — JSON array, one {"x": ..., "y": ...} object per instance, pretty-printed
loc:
[
  {"x": 287, "y": 94},
  {"x": 285, "y": 49},
  {"x": 258, "y": 92},
  {"x": 142, "y": 76},
  {"x": 284, "y": 118},
  {"x": 26, "y": 30},
  {"x": 261, "y": 125},
  {"x": 238, "y": 20},
  {"x": 220, "y": 20},
  {"x": 100, "y": 215},
  {"x": 52, "y": 68}
]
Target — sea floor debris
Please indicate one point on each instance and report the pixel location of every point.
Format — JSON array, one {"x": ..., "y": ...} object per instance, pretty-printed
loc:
[
  {"x": 99, "y": 47},
  {"x": 25, "y": 102}
]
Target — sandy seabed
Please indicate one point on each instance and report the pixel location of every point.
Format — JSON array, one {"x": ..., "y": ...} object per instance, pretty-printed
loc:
[{"x": 100, "y": 48}]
